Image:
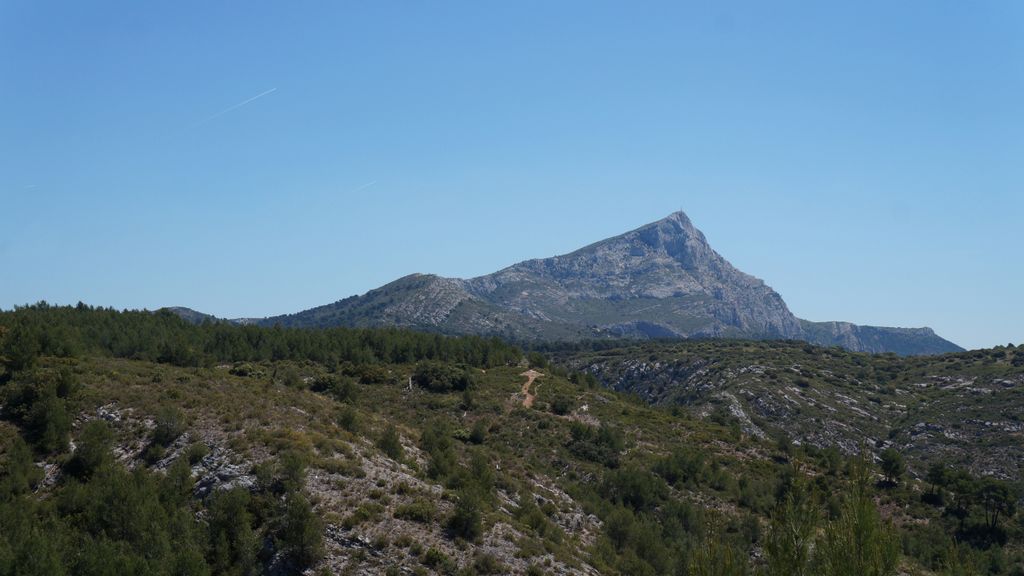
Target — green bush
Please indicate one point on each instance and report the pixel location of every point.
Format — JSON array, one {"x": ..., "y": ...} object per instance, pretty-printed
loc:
[
  {"x": 49, "y": 424},
  {"x": 291, "y": 471},
  {"x": 892, "y": 465},
  {"x": 791, "y": 538},
  {"x": 419, "y": 510},
  {"x": 478, "y": 434},
  {"x": 390, "y": 443},
  {"x": 341, "y": 388},
  {"x": 466, "y": 521},
  {"x": 170, "y": 424},
  {"x": 561, "y": 405},
  {"x": 439, "y": 561},
  {"x": 858, "y": 542},
  {"x": 682, "y": 466},
  {"x": 195, "y": 452},
  {"x": 484, "y": 563},
  {"x": 18, "y": 473},
  {"x": 301, "y": 533},
  {"x": 440, "y": 377},
  {"x": 436, "y": 441},
  {"x": 93, "y": 450},
  {"x": 638, "y": 489},
  {"x": 598, "y": 444},
  {"x": 233, "y": 543},
  {"x": 348, "y": 418}
]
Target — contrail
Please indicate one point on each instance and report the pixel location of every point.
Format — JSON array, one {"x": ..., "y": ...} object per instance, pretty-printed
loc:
[
  {"x": 235, "y": 107},
  {"x": 363, "y": 187}
]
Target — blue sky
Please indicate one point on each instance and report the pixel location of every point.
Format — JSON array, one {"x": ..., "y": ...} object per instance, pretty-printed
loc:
[{"x": 247, "y": 158}]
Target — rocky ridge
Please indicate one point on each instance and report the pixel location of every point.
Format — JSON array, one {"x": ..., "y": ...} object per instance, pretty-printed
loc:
[
  {"x": 958, "y": 408},
  {"x": 662, "y": 280}
]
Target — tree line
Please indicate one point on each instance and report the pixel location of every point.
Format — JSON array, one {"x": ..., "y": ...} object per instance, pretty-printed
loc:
[{"x": 162, "y": 336}]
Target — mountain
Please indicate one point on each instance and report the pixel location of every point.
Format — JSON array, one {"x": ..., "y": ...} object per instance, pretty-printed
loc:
[
  {"x": 875, "y": 339},
  {"x": 662, "y": 280},
  {"x": 190, "y": 315}
]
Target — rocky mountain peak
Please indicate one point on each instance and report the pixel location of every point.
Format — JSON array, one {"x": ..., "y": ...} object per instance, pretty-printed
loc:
[
  {"x": 674, "y": 237},
  {"x": 676, "y": 224},
  {"x": 661, "y": 280}
]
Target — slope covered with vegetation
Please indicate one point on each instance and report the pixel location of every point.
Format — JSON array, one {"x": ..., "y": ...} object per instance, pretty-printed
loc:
[
  {"x": 138, "y": 443},
  {"x": 961, "y": 408}
]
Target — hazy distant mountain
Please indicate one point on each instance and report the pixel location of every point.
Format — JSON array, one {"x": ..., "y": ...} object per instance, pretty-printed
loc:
[
  {"x": 662, "y": 280},
  {"x": 190, "y": 315},
  {"x": 906, "y": 341}
]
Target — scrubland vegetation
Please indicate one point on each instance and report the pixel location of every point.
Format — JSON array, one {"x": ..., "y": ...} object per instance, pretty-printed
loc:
[{"x": 134, "y": 442}]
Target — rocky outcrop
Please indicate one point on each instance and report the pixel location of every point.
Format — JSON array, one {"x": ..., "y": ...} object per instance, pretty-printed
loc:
[
  {"x": 608, "y": 284},
  {"x": 961, "y": 408}
]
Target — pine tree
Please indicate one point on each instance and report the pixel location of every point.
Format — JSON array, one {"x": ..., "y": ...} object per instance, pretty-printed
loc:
[{"x": 858, "y": 542}]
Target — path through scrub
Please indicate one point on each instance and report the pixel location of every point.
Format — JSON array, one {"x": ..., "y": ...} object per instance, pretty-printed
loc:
[{"x": 531, "y": 375}]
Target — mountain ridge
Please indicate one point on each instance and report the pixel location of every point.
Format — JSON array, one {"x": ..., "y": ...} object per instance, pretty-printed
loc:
[{"x": 661, "y": 280}]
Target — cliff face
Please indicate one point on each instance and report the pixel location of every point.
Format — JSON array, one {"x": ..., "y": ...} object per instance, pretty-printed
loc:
[
  {"x": 666, "y": 268},
  {"x": 662, "y": 280}
]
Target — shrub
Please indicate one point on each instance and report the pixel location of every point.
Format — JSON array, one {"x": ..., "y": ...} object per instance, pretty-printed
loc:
[
  {"x": 341, "y": 388},
  {"x": 232, "y": 540},
  {"x": 484, "y": 563},
  {"x": 561, "y": 405},
  {"x": 441, "y": 377},
  {"x": 49, "y": 424},
  {"x": 602, "y": 444},
  {"x": 290, "y": 377},
  {"x": 348, "y": 419},
  {"x": 790, "y": 540},
  {"x": 365, "y": 512},
  {"x": 419, "y": 510},
  {"x": 292, "y": 471},
  {"x": 301, "y": 532},
  {"x": 170, "y": 424},
  {"x": 245, "y": 370},
  {"x": 196, "y": 452},
  {"x": 436, "y": 441},
  {"x": 638, "y": 489},
  {"x": 681, "y": 467},
  {"x": 93, "y": 450},
  {"x": 390, "y": 443},
  {"x": 466, "y": 520},
  {"x": 892, "y": 465},
  {"x": 858, "y": 542},
  {"x": 478, "y": 433},
  {"x": 537, "y": 360},
  {"x": 468, "y": 400},
  {"x": 18, "y": 473},
  {"x": 438, "y": 560}
]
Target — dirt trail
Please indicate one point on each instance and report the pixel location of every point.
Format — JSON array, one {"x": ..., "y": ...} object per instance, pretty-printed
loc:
[{"x": 531, "y": 375}]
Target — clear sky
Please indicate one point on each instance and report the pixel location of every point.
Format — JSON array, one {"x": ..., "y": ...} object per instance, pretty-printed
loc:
[{"x": 866, "y": 159}]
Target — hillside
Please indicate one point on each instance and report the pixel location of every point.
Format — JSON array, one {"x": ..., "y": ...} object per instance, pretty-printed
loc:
[
  {"x": 162, "y": 447},
  {"x": 662, "y": 280},
  {"x": 962, "y": 408}
]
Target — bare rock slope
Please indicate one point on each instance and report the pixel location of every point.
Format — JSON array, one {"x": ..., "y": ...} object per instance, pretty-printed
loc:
[{"x": 662, "y": 280}]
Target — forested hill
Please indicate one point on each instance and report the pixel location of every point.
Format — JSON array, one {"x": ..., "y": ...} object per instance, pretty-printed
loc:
[
  {"x": 163, "y": 336},
  {"x": 137, "y": 443}
]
